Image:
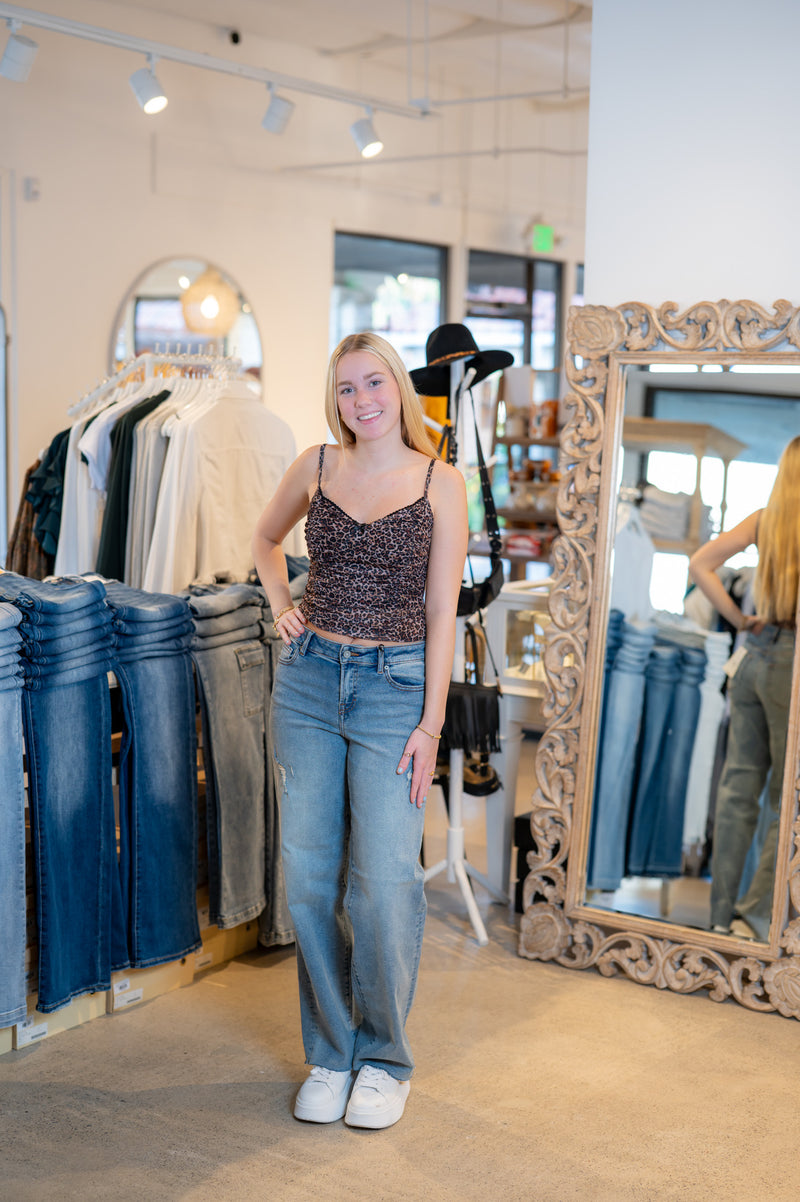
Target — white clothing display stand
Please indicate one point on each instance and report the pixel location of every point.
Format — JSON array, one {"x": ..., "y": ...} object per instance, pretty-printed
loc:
[{"x": 455, "y": 863}]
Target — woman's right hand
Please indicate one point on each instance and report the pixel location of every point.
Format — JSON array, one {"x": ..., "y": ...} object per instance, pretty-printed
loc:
[{"x": 290, "y": 625}]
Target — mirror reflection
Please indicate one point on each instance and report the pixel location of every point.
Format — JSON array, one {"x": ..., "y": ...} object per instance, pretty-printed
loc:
[
  {"x": 189, "y": 304},
  {"x": 692, "y": 731}
]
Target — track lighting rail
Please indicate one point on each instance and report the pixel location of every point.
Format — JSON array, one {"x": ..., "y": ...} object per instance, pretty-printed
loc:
[{"x": 206, "y": 62}]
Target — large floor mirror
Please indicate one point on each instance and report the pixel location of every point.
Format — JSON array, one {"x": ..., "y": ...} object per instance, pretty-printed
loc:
[{"x": 678, "y": 420}]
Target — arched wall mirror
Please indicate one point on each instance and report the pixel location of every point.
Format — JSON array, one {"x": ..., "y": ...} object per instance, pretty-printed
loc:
[
  {"x": 187, "y": 304},
  {"x": 677, "y": 422}
]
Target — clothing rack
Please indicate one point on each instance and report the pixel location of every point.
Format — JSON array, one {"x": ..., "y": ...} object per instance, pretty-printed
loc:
[{"x": 145, "y": 367}]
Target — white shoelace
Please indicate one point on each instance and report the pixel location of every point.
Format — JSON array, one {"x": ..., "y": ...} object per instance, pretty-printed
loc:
[{"x": 371, "y": 1077}]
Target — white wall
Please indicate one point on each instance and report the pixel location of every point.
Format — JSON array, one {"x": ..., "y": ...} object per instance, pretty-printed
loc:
[
  {"x": 693, "y": 178},
  {"x": 119, "y": 191}
]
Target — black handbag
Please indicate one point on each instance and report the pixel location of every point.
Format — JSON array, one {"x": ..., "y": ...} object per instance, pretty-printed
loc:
[{"x": 472, "y": 712}]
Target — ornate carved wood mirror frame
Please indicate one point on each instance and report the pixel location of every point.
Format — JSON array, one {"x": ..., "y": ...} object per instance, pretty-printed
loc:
[{"x": 558, "y": 923}]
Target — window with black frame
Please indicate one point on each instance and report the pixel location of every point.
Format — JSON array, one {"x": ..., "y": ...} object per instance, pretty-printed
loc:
[
  {"x": 514, "y": 303},
  {"x": 390, "y": 286}
]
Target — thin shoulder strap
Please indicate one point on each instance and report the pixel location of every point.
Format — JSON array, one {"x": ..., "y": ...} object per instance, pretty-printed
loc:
[
  {"x": 321, "y": 461},
  {"x": 428, "y": 477}
]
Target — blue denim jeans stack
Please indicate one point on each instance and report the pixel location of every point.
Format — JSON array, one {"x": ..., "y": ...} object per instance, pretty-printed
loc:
[
  {"x": 671, "y": 711},
  {"x": 617, "y": 756},
  {"x": 67, "y": 651},
  {"x": 12, "y": 822},
  {"x": 234, "y": 679},
  {"x": 155, "y": 908}
]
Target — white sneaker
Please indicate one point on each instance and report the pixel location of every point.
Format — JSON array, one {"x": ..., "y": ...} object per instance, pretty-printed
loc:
[
  {"x": 322, "y": 1098},
  {"x": 377, "y": 1100}
]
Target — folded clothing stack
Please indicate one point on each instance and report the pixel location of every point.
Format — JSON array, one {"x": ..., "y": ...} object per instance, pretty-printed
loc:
[
  {"x": 66, "y": 628},
  {"x": 665, "y": 515},
  {"x": 148, "y": 625},
  {"x": 10, "y": 642}
]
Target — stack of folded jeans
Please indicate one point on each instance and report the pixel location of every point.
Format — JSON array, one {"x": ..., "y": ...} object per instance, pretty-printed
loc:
[
  {"x": 66, "y": 653},
  {"x": 234, "y": 682},
  {"x": 671, "y": 710},
  {"x": 12, "y": 822},
  {"x": 155, "y": 912},
  {"x": 617, "y": 754}
]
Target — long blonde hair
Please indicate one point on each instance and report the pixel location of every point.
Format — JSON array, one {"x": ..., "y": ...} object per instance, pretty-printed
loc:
[
  {"x": 412, "y": 426},
  {"x": 776, "y": 581}
]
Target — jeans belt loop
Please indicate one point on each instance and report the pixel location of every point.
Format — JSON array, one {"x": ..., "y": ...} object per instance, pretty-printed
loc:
[
  {"x": 305, "y": 640},
  {"x": 381, "y": 650}
]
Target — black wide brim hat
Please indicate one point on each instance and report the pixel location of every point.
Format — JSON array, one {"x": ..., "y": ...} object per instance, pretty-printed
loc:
[{"x": 447, "y": 344}]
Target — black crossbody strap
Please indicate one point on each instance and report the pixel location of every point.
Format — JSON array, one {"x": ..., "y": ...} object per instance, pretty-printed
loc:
[{"x": 492, "y": 528}]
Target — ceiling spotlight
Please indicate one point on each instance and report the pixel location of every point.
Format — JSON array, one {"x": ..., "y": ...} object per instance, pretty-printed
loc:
[
  {"x": 278, "y": 112},
  {"x": 147, "y": 90},
  {"x": 365, "y": 138},
  {"x": 18, "y": 56}
]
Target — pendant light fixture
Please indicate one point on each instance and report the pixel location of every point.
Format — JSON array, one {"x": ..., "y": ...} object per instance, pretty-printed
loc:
[
  {"x": 364, "y": 136},
  {"x": 146, "y": 88},
  {"x": 210, "y": 305}
]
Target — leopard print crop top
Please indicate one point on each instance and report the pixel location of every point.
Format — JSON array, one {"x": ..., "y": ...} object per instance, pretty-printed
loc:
[{"x": 367, "y": 579}]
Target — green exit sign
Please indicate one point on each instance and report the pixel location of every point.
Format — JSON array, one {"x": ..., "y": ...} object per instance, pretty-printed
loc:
[{"x": 543, "y": 239}]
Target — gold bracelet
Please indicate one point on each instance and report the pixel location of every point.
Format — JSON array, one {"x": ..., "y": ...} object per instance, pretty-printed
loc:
[
  {"x": 280, "y": 614},
  {"x": 427, "y": 732}
]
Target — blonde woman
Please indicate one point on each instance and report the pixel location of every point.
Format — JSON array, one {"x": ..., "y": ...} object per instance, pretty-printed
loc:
[
  {"x": 357, "y": 707},
  {"x": 759, "y": 694}
]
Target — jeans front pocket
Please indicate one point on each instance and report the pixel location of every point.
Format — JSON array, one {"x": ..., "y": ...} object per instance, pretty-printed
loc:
[
  {"x": 405, "y": 672},
  {"x": 289, "y": 654},
  {"x": 252, "y": 658}
]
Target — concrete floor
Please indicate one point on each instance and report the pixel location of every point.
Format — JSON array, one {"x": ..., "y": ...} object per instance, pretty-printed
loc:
[{"x": 533, "y": 1082}]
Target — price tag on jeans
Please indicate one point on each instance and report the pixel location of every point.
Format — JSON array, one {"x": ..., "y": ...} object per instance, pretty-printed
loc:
[{"x": 731, "y": 667}]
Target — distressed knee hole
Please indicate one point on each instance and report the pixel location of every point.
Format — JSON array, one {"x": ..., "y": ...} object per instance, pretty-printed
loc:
[{"x": 282, "y": 772}]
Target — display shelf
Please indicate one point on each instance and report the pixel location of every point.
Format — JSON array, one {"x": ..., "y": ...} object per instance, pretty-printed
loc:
[
  {"x": 521, "y": 517},
  {"x": 136, "y": 985},
  {"x": 675, "y": 546},
  {"x": 697, "y": 438},
  {"x": 513, "y": 513},
  {"x": 479, "y": 546},
  {"x": 507, "y": 440},
  {"x": 37, "y": 1027},
  {"x": 645, "y": 434},
  {"x": 133, "y": 985}
]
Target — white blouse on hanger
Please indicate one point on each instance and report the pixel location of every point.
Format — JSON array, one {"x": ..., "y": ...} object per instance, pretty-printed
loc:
[{"x": 224, "y": 462}]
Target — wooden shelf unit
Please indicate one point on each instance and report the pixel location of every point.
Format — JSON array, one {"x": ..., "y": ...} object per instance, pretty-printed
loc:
[
  {"x": 136, "y": 984},
  {"x": 646, "y": 434}
]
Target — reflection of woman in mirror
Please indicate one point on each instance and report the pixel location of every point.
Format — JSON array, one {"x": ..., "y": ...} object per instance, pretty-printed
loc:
[
  {"x": 357, "y": 706},
  {"x": 759, "y": 694}
]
